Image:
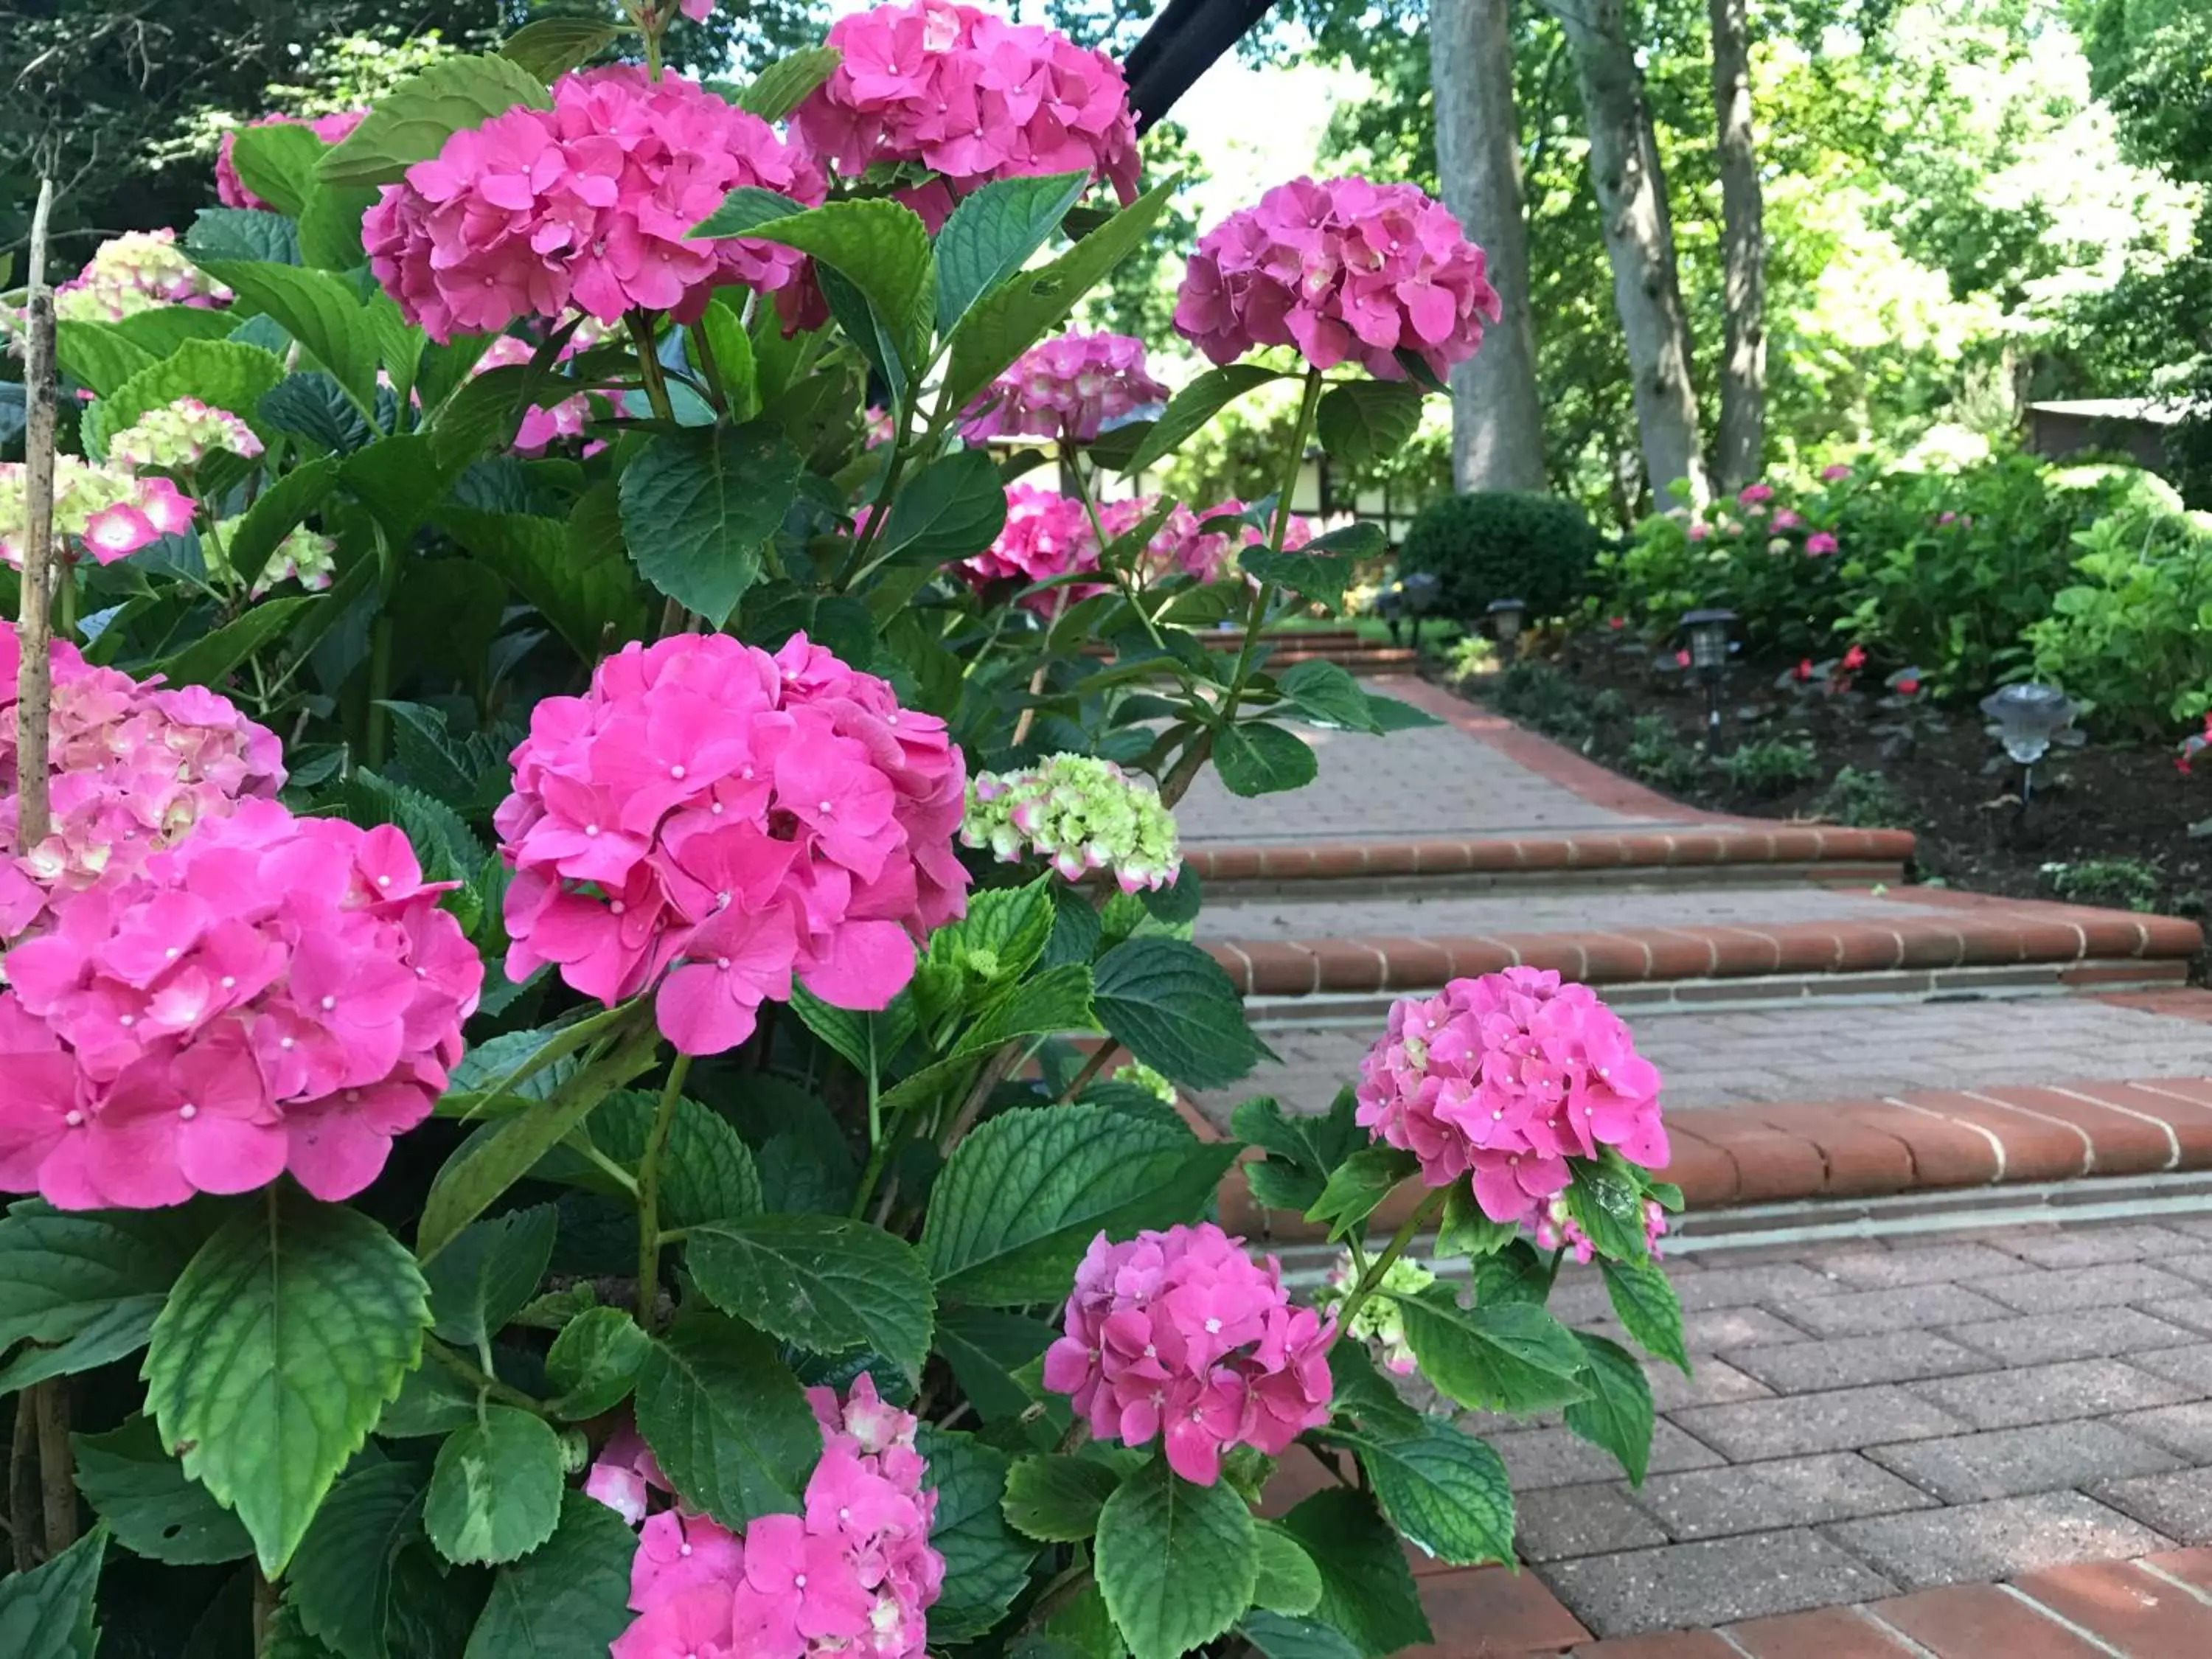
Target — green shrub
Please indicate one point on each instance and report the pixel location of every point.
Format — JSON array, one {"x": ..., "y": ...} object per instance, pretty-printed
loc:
[
  {"x": 1538, "y": 695},
  {"x": 1771, "y": 766},
  {"x": 1862, "y": 800},
  {"x": 2129, "y": 883},
  {"x": 1500, "y": 544},
  {"x": 1658, "y": 756}
]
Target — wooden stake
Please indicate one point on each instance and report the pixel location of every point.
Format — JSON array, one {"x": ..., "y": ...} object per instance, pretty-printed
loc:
[{"x": 35, "y": 676}]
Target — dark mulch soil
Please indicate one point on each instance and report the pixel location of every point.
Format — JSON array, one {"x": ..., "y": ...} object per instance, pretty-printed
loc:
[{"x": 2107, "y": 825}]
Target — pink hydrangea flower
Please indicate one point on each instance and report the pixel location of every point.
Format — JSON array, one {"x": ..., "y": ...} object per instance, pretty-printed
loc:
[
  {"x": 272, "y": 994},
  {"x": 587, "y": 205},
  {"x": 1209, "y": 551},
  {"x": 109, "y": 511},
  {"x": 1832, "y": 473},
  {"x": 1819, "y": 541},
  {"x": 1344, "y": 269},
  {"x": 1507, "y": 1077},
  {"x": 132, "y": 769},
  {"x": 715, "y": 821},
  {"x": 1753, "y": 495},
  {"x": 1048, "y": 534},
  {"x": 230, "y": 190},
  {"x": 1070, "y": 388},
  {"x": 1181, "y": 1336},
  {"x": 853, "y": 1574},
  {"x": 134, "y": 272},
  {"x": 544, "y": 426},
  {"x": 970, "y": 96},
  {"x": 1700, "y": 531},
  {"x": 1784, "y": 519},
  {"x": 178, "y": 434}
]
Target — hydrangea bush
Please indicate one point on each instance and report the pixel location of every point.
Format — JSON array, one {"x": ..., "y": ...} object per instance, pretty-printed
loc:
[{"x": 599, "y": 996}]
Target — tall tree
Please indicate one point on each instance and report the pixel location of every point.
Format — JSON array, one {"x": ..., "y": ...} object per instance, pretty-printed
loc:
[
  {"x": 1739, "y": 455},
  {"x": 1639, "y": 239},
  {"x": 1497, "y": 422}
]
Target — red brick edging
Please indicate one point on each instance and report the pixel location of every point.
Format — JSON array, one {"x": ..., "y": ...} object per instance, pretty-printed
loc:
[{"x": 1688, "y": 847}]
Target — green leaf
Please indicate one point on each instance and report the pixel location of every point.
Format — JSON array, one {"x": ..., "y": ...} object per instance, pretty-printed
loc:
[
  {"x": 1360, "y": 422},
  {"x": 726, "y": 1419},
  {"x": 433, "y": 1400},
  {"x": 1367, "y": 1590},
  {"x": 1288, "y": 1581},
  {"x": 211, "y": 660},
  {"x": 882, "y": 249},
  {"x": 1358, "y": 1185},
  {"x": 986, "y": 1563},
  {"x": 1301, "y": 1150},
  {"x": 1328, "y": 693},
  {"x": 706, "y": 1174},
  {"x": 162, "y": 329},
  {"x": 329, "y": 227},
  {"x": 222, "y": 374},
  {"x": 951, "y": 509},
  {"x": 495, "y": 1493},
  {"x": 1464, "y": 1230},
  {"x": 1321, "y": 578},
  {"x": 1607, "y": 1202},
  {"x": 576, "y": 575},
  {"x": 1513, "y": 1358},
  {"x": 1279, "y": 1638},
  {"x": 1030, "y": 305},
  {"x": 1390, "y": 714},
  {"x": 344, "y": 1579},
  {"x": 594, "y": 1362},
  {"x": 46, "y": 1612},
  {"x": 277, "y": 163},
  {"x": 549, "y": 47},
  {"x": 992, "y": 234},
  {"x": 1194, "y": 407},
  {"x": 141, "y": 1491},
  {"x": 318, "y": 309},
  {"x": 866, "y": 1039},
  {"x": 722, "y": 331},
  {"x": 1513, "y": 1274},
  {"x": 1617, "y": 1413},
  {"x": 1057, "y": 1498},
  {"x": 98, "y": 357},
  {"x": 819, "y": 1282},
  {"x": 1004, "y": 933},
  {"x": 782, "y": 87},
  {"x": 699, "y": 506},
  {"x": 275, "y": 513},
  {"x": 568, "y": 1601},
  {"x": 1256, "y": 758},
  {"x": 1646, "y": 1303},
  {"x": 84, "y": 1289},
  {"x": 411, "y": 123},
  {"x": 985, "y": 1348},
  {"x": 483, "y": 1277},
  {"x": 279, "y": 1347},
  {"x": 1177, "y": 1564},
  {"x": 1022, "y": 1197},
  {"x": 1171, "y": 1005},
  {"x": 1445, "y": 1491},
  {"x": 1363, "y": 1400},
  {"x": 744, "y": 210},
  {"x": 243, "y": 233}
]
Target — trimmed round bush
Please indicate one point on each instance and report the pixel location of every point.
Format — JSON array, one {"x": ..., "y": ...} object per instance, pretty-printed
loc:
[{"x": 1502, "y": 544}]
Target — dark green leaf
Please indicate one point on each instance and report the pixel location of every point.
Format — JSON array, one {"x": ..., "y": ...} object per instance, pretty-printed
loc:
[
  {"x": 100, "y": 358},
  {"x": 211, "y": 660},
  {"x": 1171, "y": 1005},
  {"x": 550, "y": 47},
  {"x": 243, "y": 233},
  {"x": 726, "y": 1419},
  {"x": 594, "y": 1362},
  {"x": 707, "y": 1173},
  {"x": 820, "y": 1282},
  {"x": 495, "y": 1493},
  {"x": 992, "y": 234},
  {"x": 46, "y": 1612},
  {"x": 1511, "y": 1358},
  {"x": 865, "y": 1038},
  {"x": 1256, "y": 758},
  {"x": 1390, "y": 714},
  {"x": 1194, "y": 407},
  {"x": 319, "y": 310},
  {"x": 951, "y": 509},
  {"x": 1367, "y": 1590},
  {"x": 313, "y": 406},
  {"x": 1364, "y": 1398},
  {"x": 1616, "y": 1414},
  {"x": 1363, "y": 422},
  {"x": 1319, "y": 577},
  {"x": 329, "y": 227},
  {"x": 986, "y": 1563},
  {"x": 1328, "y": 693},
  {"x": 277, "y": 163},
  {"x": 1057, "y": 1498},
  {"x": 84, "y": 1289},
  {"x": 1357, "y": 1188},
  {"x": 882, "y": 249},
  {"x": 782, "y": 87},
  {"x": 1301, "y": 1150},
  {"x": 577, "y": 574},
  {"x": 1445, "y": 1491},
  {"x": 1178, "y": 1563},
  {"x": 744, "y": 209},
  {"x": 344, "y": 1579},
  {"x": 568, "y": 1601},
  {"x": 275, "y": 514},
  {"x": 698, "y": 507},
  {"x": 1646, "y": 1303},
  {"x": 411, "y": 123},
  {"x": 985, "y": 1347},
  {"x": 1464, "y": 1230},
  {"x": 1607, "y": 1202},
  {"x": 153, "y": 1510},
  {"x": 1288, "y": 1581},
  {"x": 480, "y": 1281},
  {"x": 1279, "y": 1638}
]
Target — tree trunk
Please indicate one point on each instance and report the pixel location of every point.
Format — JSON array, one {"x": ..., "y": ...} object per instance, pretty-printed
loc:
[
  {"x": 1639, "y": 239},
  {"x": 1498, "y": 424},
  {"x": 1741, "y": 455}
]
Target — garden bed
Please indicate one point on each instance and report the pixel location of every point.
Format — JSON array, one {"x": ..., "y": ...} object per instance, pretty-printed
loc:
[{"x": 2107, "y": 825}]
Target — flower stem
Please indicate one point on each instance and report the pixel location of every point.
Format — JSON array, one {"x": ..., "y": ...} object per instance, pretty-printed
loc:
[
  {"x": 649, "y": 363},
  {"x": 480, "y": 1378},
  {"x": 1099, "y": 1057},
  {"x": 1263, "y": 600},
  {"x": 1422, "y": 1215},
  {"x": 648, "y": 1194},
  {"x": 1072, "y": 465}
]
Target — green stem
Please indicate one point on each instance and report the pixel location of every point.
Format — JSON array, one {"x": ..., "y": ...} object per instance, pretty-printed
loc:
[
  {"x": 1058, "y": 1594},
  {"x": 856, "y": 564},
  {"x": 718, "y": 391},
  {"x": 480, "y": 1378},
  {"x": 1072, "y": 464},
  {"x": 1105, "y": 1052},
  {"x": 648, "y": 1194},
  {"x": 559, "y": 1045},
  {"x": 1422, "y": 1215},
  {"x": 648, "y": 364},
  {"x": 65, "y": 600},
  {"x": 378, "y": 734},
  {"x": 1264, "y": 599}
]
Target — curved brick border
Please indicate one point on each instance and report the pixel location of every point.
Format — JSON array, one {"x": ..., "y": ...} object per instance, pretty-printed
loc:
[{"x": 1582, "y": 849}]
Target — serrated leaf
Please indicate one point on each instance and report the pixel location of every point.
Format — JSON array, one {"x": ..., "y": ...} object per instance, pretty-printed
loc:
[
  {"x": 550, "y": 47},
  {"x": 1607, "y": 1202},
  {"x": 1513, "y": 1274},
  {"x": 986, "y": 1563},
  {"x": 1320, "y": 578},
  {"x": 698, "y": 507},
  {"x": 1023, "y": 1195},
  {"x": 951, "y": 509},
  {"x": 986, "y": 1347},
  {"x": 1178, "y": 1563},
  {"x": 992, "y": 234},
  {"x": 782, "y": 87},
  {"x": 1057, "y": 1498},
  {"x": 707, "y": 1172},
  {"x": 312, "y": 405},
  {"x": 568, "y": 1601},
  {"x": 865, "y": 1038},
  {"x": 1256, "y": 758},
  {"x": 1328, "y": 693},
  {"x": 222, "y": 374},
  {"x": 1287, "y": 1581},
  {"x": 1280, "y": 1637},
  {"x": 495, "y": 1494},
  {"x": 820, "y": 1282},
  {"x": 881, "y": 248},
  {"x": 46, "y": 1612},
  {"x": 99, "y": 356},
  {"x": 1357, "y": 1188},
  {"x": 1513, "y": 1358},
  {"x": 279, "y": 1348},
  {"x": 1646, "y": 1305},
  {"x": 211, "y": 660},
  {"x": 220, "y": 232},
  {"x": 1367, "y": 1589},
  {"x": 412, "y": 122},
  {"x": 81, "y": 1290},
  {"x": 277, "y": 163},
  {"x": 577, "y": 574},
  {"x": 1464, "y": 1230},
  {"x": 744, "y": 210},
  {"x": 344, "y": 1580},
  {"x": 1360, "y": 422},
  {"x": 318, "y": 309},
  {"x": 275, "y": 513},
  {"x": 1301, "y": 1150},
  {"x": 1171, "y": 1005},
  {"x": 726, "y": 1419},
  {"x": 1616, "y": 1413},
  {"x": 1445, "y": 1491},
  {"x": 594, "y": 1362},
  {"x": 153, "y": 1510},
  {"x": 479, "y": 1281},
  {"x": 1193, "y": 408}
]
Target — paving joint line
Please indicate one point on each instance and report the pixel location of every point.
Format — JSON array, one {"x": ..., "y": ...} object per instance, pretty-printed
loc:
[{"x": 2080, "y": 1633}]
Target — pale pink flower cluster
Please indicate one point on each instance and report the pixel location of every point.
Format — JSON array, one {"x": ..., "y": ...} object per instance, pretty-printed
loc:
[
  {"x": 134, "y": 272},
  {"x": 540, "y": 427},
  {"x": 305, "y": 557},
  {"x": 230, "y": 190},
  {"x": 1046, "y": 534},
  {"x": 1070, "y": 388},
  {"x": 1555, "y": 1229},
  {"x": 1507, "y": 1077},
  {"x": 1077, "y": 813},
  {"x": 970, "y": 96},
  {"x": 588, "y": 204},
  {"x": 179, "y": 434},
  {"x": 1181, "y": 1334},
  {"x": 715, "y": 820},
  {"x": 132, "y": 767},
  {"x": 853, "y": 1574},
  {"x": 108, "y": 510},
  {"x": 1344, "y": 269},
  {"x": 1184, "y": 544},
  {"x": 272, "y": 994}
]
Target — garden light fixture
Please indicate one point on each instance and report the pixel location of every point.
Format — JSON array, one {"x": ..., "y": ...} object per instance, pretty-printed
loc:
[
  {"x": 1506, "y": 617},
  {"x": 1420, "y": 591},
  {"x": 2028, "y": 719},
  {"x": 1708, "y": 632}
]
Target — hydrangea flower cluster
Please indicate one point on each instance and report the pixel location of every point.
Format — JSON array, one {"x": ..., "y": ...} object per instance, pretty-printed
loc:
[
  {"x": 715, "y": 820},
  {"x": 230, "y": 190},
  {"x": 1078, "y": 814},
  {"x": 1181, "y": 1334},
  {"x": 1507, "y": 1077},
  {"x": 131, "y": 766},
  {"x": 304, "y": 556},
  {"x": 853, "y": 1575},
  {"x": 272, "y": 994},
  {"x": 1071, "y": 388},
  {"x": 112, "y": 512},
  {"x": 134, "y": 272},
  {"x": 587, "y": 205},
  {"x": 541, "y": 427},
  {"x": 1185, "y": 543},
  {"x": 179, "y": 434},
  {"x": 1048, "y": 534},
  {"x": 1377, "y": 1320},
  {"x": 1344, "y": 269},
  {"x": 970, "y": 95},
  {"x": 1557, "y": 1229}
]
